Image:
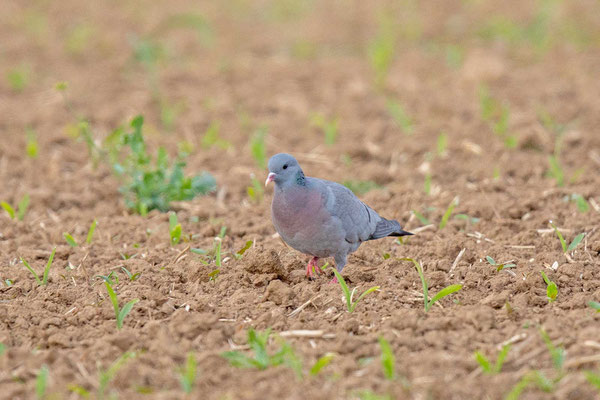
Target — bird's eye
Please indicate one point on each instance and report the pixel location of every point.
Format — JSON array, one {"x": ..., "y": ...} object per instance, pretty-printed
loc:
[{"x": 285, "y": 166}]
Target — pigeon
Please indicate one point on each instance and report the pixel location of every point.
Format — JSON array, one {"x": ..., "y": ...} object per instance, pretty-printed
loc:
[{"x": 319, "y": 217}]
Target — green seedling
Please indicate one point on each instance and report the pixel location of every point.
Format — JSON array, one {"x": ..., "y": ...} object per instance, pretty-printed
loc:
[
  {"x": 256, "y": 191},
  {"x": 499, "y": 267},
  {"x": 240, "y": 253},
  {"x": 400, "y": 116},
  {"x": 328, "y": 126},
  {"x": 78, "y": 38},
  {"x": 563, "y": 243},
  {"x": 31, "y": 147},
  {"x": 169, "y": 112},
  {"x": 448, "y": 290},
  {"x": 321, "y": 363},
  {"x": 174, "y": 229},
  {"x": 18, "y": 78},
  {"x": 130, "y": 276},
  {"x": 111, "y": 279},
  {"x": 261, "y": 358},
  {"x": 555, "y": 170},
  {"x": 8, "y": 282},
  {"x": 361, "y": 187},
  {"x": 487, "y": 366},
  {"x": 2, "y": 349},
  {"x": 348, "y": 295},
  {"x": 370, "y": 395},
  {"x": 593, "y": 378},
  {"x": 448, "y": 213},
  {"x": 381, "y": 49},
  {"x": 91, "y": 231},
  {"x": 152, "y": 183},
  {"x": 70, "y": 239},
  {"x": 187, "y": 374},
  {"x": 211, "y": 137},
  {"x": 537, "y": 378},
  {"x": 388, "y": 360},
  {"x": 454, "y": 55},
  {"x": 427, "y": 184},
  {"x": 594, "y": 305},
  {"x": 41, "y": 382},
  {"x": 421, "y": 218},
  {"x": 467, "y": 218},
  {"x": 258, "y": 147},
  {"x": 120, "y": 314},
  {"x": 107, "y": 376},
  {"x": 44, "y": 280},
  {"x": 497, "y": 115},
  {"x": 556, "y": 353},
  {"x": 21, "y": 208},
  {"x": 582, "y": 204},
  {"x": 551, "y": 288}
]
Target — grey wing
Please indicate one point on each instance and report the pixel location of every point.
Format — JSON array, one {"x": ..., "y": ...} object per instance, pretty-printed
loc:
[{"x": 358, "y": 220}]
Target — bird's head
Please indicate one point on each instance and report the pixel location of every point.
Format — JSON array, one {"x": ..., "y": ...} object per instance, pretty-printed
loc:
[{"x": 284, "y": 168}]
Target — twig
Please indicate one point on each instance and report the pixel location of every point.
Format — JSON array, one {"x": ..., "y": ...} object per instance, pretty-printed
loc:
[
  {"x": 582, "y": 360},
  {"x": 457, "y": 259},
  {"x": 303, "y": 306},
  {"x": 423, "y": 228},
  {"x": 304, "y": 333}
]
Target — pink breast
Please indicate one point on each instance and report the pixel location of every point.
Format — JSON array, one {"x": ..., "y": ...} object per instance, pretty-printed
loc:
[{"x": 296, "y": 211}]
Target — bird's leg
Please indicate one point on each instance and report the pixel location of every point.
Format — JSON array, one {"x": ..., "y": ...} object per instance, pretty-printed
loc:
[{"x": 312, "y": 263}]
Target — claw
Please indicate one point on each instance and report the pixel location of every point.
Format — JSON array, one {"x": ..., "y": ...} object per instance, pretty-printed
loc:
[{"x": 313, "y": 264}]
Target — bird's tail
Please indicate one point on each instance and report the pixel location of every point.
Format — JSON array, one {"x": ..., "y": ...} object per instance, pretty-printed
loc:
[{"x": 387, "y": 227}]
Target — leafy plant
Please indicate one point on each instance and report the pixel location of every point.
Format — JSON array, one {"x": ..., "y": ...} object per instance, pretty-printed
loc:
[
  {"x": 258, "y": 147},
  {"x": 499, "y": 267},
  {"x": 328, "y": 126},
  {"x": 563, "y": 243},
  {"x": 388, "y": 360},
  {"x": 261, "y": 358},
  {"x": 350, "y": 303},
  {"x": 41, "y": 382},
  {"x": 187, "y": 373},
  {"x": 18, "y": 78},
  {"x": 381, "y": 49},
  {"x": 44, "y": 280},
  {"x": 442, "y": 143},
  {"x": 557, "y": 353},
  {"x": 370, "y": 395},
  {"x": 174, "y": 229},
  {"x": 120, "y": 314},
  {"x": 448, "y": 213},
  {"x": 595, "y": 305},
  {"x": 593, "y": 378},
  {"x": 255, "y": 191},
  {"x": 70, "y": 239},
  {"x": 400, "y": 116},
  {"x": 240, "y": 253},
  {"x": 497, "y": 115},
  {"x": 107, "y": 376},
  {"x": 91, "y": 231},
  {"x": 448, "y": 290},
  {"x": 551, "y": 288},
  {"x": 153, "y": 184},
  {"x": 487, "y": 366},
  {"x": 321, "y": 363},
  {"x": 211, "y": 137},
  {"x": 581, "y": 202},
  {"x": 130, "y": 276}
]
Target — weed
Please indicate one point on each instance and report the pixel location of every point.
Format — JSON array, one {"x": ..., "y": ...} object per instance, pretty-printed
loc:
[
  {"x": 328, "y": 126},
  {"x": 31, "y": 147},
  {"x": 551, "y": 288},
  {"x": 106, "y": 376},
  {"x": 557, "y": 353},
  {"x": 388, "y": 360},
  {"x": 499, "y": 267},
  {"x": 448, "y": 290},
  {"x": 255, "y": 191},
  {"x": 487, "y": 366},
  {"x": 361, "y": 187},
  {"x": 261, "y": 359},
  {"x": 595, "y": 305},
  {"x": 44, "y": 280},
  {"x": 321, "y": 363},
  {"x": 448, "y": 213},
  {"x": 240, "y": 253},
  {"x": 580, "y": 201},
  {"x": 70, "y": 239},
  {"x": 350, "y": 304},
  {"x": 120, "y": 314},
  {"x": 174, "y": 229},
  {"x": 187, "y": 373},
  {"x": 401, "y": 118},
  {"x": 111, "y": 279},
  {"x": 258, "y": 147},
  {"x": 593, "y": 378},
  {"x": 563, "y": 243},
  {"x": 41, "y": 382}
]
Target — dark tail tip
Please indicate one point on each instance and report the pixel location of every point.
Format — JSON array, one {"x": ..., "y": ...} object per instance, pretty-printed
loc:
[{"x": 401, "y": 232}]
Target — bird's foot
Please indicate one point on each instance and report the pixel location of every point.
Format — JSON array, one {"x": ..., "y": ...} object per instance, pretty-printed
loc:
[
  {"x": 313, "y": 264},
  {"x": 333, "y": 281}
]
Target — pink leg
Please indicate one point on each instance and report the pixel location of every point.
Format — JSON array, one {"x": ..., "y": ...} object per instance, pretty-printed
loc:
[{"x": 313, "y": 263}]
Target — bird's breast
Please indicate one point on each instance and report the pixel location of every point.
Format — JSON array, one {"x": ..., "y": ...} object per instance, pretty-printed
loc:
[{"x": 297, "y": 210}]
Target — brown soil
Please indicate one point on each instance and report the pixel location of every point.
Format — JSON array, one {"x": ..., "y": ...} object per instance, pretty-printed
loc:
[{"x": 253, "y": 64}]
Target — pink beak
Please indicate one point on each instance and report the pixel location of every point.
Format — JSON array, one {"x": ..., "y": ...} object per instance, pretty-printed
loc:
[{"x": 270, "y": 178}]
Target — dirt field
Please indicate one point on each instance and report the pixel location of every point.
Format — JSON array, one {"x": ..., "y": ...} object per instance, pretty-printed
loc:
[{"x": 511, "y": 85}]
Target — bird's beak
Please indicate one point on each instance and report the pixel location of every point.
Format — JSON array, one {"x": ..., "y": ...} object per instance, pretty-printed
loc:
[{"x": 270, "y": 178}]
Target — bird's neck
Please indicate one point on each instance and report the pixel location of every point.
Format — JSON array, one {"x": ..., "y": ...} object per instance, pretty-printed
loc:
[{"x": 300, "y": 178}]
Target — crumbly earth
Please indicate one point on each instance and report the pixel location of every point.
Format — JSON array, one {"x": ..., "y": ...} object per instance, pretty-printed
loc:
[{"x": 275, "y": 64}]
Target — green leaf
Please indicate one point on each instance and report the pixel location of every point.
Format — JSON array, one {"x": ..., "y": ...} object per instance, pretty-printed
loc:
[
  {"x": 8, "y": 208},
  {"x": 41, "y": 382},
  {"x": 490, "y": 260},
  {"x": 26, "y": 264},
  {"x": 187, "y": 374},
  {"x": 124, "y": 311},
  {"x": 91, "y": 231},
  {"x": 366, "y": 292},
  {"x": 421, "y": 218},
  {"x": 344, "y": 287},
  {"x": 484, "y": 363},
  {"x": 321, "y": 363},
  {"x": 551, "y": 289},
  {"x": 388, "y": 360},
  {"x": 423, "y": 281},
  {"x": 595, "y": 305},
  {"x": 448, "y": 213},
  {"x": 113, "y": 297},
  {"x": 593, "y": 378},
  {"x": 563, "y": 243},
  {"x": 47, "y": 269},
  {"x": 501, "y": 358},
  {"x": 445, "y": 292},
  {"x": 70, "y": 240},
  {"x": 23, "y": 205},
  {"x": 248, "y": 244},
  {"x": 176, "y": 234},
  {"x": 576, "y": 242}
]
